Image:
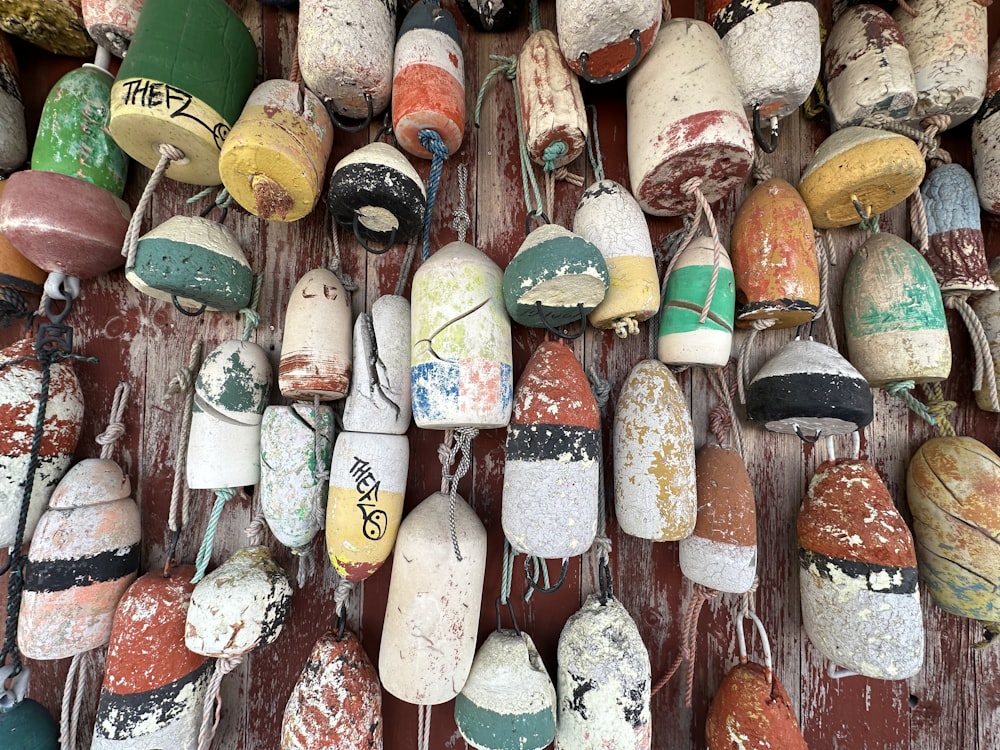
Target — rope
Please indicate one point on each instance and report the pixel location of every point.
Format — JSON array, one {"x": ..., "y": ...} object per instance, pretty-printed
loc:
[
  {"x": 536, "y": 19},
  {"x": 985, "y": 375},
  {"x": 722, "y": 419},
  {"x": 306, "y": 564},
  {"x": 251, "y": 319},
  {"x": 423, "y": 727},
  {"x": 12, "y": 306},
  {"x": 457, "y": 442},
  {"x": 689, "y": 634},
  {"x": 212, "y": 708},
  {"x": 343, "y": 590},
  {"x": 507, "y": 66},
  {"x": 826, "y": 258},
  {"x": 761, "y": 172},
  {"x": 168, "y": 154},
  {"x": 555, "y": 150},
  {"x": 431, "y": 140},
  {"x": 908, "y": 8},
  {"x": 901, "y": 390},
  {"x": 601, "y": 388},
  {"x": 939, "y": 409},
  {"x": 756, "y": 326},
  {"x": 77, "y": 682},
  {"x": 295, "y": 74},
  {"x": 594, "y": 146},
  {"x": 222, "y": 496},
  {"x": 506, "y": 571},
  {"x": 461, "y": 220},
  {"x": 404, "y": 269},
  {"x": 183, "y": 384},
  {"x": 115, "y": 428},
  {"x": 927, "y": 140},
  {"x": 254, "y": 532}
]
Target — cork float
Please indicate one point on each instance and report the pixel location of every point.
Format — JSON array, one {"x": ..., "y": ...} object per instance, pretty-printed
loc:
[
  {"x": 986, "y": 138},
  {"x": 111, "y": 23},
  {"x": 13, "y": 136},
  {"x": 603, "y": 42}
]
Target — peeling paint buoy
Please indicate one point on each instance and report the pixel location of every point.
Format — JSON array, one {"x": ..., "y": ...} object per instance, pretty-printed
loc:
[
  {"x": 111, "y": 23},
  {"x": 604, "y": 41},
  {"x": 54, "y": 25},
  {"x": 986, "y": 139},
  {"x": 13, "y": 135},
  {"x": 987, "y": 309}
]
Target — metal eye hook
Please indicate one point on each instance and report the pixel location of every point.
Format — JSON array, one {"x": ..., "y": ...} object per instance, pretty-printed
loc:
[
  {"x": 768, "y": 146},
  {"x": 183, "y": 311},
  {"x": 341, "y": 622},
  {"x": 534, "y": 215},
  {"x": 529, "y": 560},
  {"x": 806, "y": 439},
  {"x": 585, "y": 74},
  {"x": 510, "y": 609},
  {"x": 567, "y": 336},
  {"x": 351, "y": 128},
  {"x": 11, "y": 696},
  {"x": 361, "y": 240},
  {"x": 604, "y": 581}
]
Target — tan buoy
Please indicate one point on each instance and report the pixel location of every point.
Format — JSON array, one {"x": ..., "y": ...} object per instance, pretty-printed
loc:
[
  {"x": 604, "y": 41},
  {"x": 54, "y": 25},
  {"x": 986, "y": 139}
]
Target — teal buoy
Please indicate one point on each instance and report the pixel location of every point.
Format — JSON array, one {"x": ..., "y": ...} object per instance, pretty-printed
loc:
[{"x": 27, "y": 725}]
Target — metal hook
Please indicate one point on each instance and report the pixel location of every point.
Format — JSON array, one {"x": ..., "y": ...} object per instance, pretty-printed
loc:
[
  {"x": 767, "y": 146},
  {"x": 18, "y": 676},
  {"x": 351, "y": 128},
  {"x": 585, "y": 75},
  {"x": 171, "y": 553},
  {"x": 386, "y": 128},
  {"x": 56, "y": 318},
  {"x": 510, "y": 609},
  {"x": 534, "y": 215},
  {"x": 61, "y": 286},
  {"x": 862, "y": 211},
  {"x": 810, "y": 440},
  {"x": 530, "y": 560},
  {"x": 224, "y": 211},
  {"x": 604, "y": 581},
  {"x": 341, "y": 622},
  {"x": 361, "y": 241},
  {"x": 554, "y": 332},
  {"x": 189, "y": 313}
]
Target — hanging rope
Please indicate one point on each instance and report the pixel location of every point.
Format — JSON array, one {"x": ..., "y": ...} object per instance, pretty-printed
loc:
[
  {"x": 901, "y": 390},
  {"x": 222, "y": 496},
  {"x": 457, "y": 443},
  {"x": 826, "y": 257},
  {"x": 12, "y": 306},
  {"x": 939, "y": 408},
  {"x": 168, "y": 154},
  {"x": 212, "y": 707},
  {"x": 600, "y": 562},
  {"x": 423, "y": 727},
  {"x": 722, "y": 419},
  {"x": 116, "y": 427},
  {"x": 79, "y": 682},
  {"x": 756, "y": 326},
  {"x": 689, "y": 635},
  {"x": 560, "y": 174},
  {"x": 431, "y": 140},
  {"x": 985, "y": 375},
  {"x": 461, "y": 220},
  {"x": 594, "y": 146},
  {"x": 404, "y": 269},
  {"x": 536, "y": 19},
  {"x": 251, "y": 319},
  {"x": 295, "y": 74}
]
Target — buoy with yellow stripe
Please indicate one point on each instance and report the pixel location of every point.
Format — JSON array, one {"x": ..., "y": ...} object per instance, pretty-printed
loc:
[
  {"x": 986, "y": 138},
  {"x": 605, "y": 41},
  {"x": 112, "y": 23},
  {"x": 54, "y": 25},
  {"x": 13, "y": 136}
]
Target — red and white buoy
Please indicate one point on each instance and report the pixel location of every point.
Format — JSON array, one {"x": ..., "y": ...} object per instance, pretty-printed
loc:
[{"x": 604, "y": 41}]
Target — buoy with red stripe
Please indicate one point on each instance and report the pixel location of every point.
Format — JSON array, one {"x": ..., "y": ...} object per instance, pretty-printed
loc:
[
  {"x": 491, "y": 15},
  {"x": 112, "y": 23},
  {"x": 604, "y": 41},
  {"x": 986, "y": 138},
  {"x": 551, "y": 474},
  {"x": 54, "y": 25},
  {"x": 13, "y": 136},
  {"x": 987, "y": 309}
]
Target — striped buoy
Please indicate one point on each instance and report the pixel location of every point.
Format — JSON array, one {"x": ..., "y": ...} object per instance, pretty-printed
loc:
[
  {"x": 987, "y": 309},
  {"x": 27, "y": 725},
  {"x": 432, "y": 613},
  {"x": 54, "y": 25},
  {"x": 894, "y": 315},
  {"x": 461, "y": 367},
  {"x": 700, "y": 285},
  {"x": 153, "y": 685},
  {"x": 552, "y": 469},
  {"x": 721, "y": 552},
  {"x": 337, "y": 700},
  {"x": 20, "y": 389},
  {"x": 316, "y": 357},
  {"x": 653, "y": 448},
  {"x": 604, "y": 41},
  {"x": 685, "y": 120},
  {"x": 230, "y": 394},
  {"x": 16, "y": 271},
  {"x": 13, "y": 136},
  {"x": 603, "y": 680},
  {"x": 753, "y": 705},
  {"x": 112, "y": 23},
  {"x": 774, "y": 256},
  {"x": 858, "y": 574},
  {"x": 986, "y": 139},
  {"x": 491, "y": 15},
  {"x": 509, "y": 701},
  {"x": 84, "y": 554}
]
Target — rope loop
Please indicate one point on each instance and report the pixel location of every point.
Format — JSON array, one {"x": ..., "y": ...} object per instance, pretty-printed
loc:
[{"x": 432, "y": 141}]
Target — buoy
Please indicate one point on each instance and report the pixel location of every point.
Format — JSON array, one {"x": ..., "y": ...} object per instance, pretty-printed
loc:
[
  {"x": 858, "y": 574},
  {"x": 986, "y": 139},
  {"x": 604, "y": 41},
  {"x": 432, "y": 612},
  {"x": 367, "y": 486},
  {"x": 13, "y": 136},
  {"x": 694, "y": 284},
  {"x": 428, "y": 79},
  {"x": 876, "y": 168},
  {"x": 153, "y": 685},
  {"x": 27, "y": 725},
  {"x": 721, "y": 552},
  {"x": 188, "y": 72},
  {"x": 296, "y": 443},
  {"x": 316, "y": 358},
  {"x": 54, "y": 25},
  {"x": 273, "y": 162},
  {"x": 20, "y": 389},
  {"x": 685, "y": 120},
  {"x": 337, "y": 700},
  {"x": 112, "y": 23},
  {"x": 461, "y": 368},
  {"x": 16, "y": 271},
  {"x": 951, "y": 490},
  {"x": 894, "y": 315},
  {"x": 491, "y": 15},
  {"x": 987, "y": 309},
  {"x": 553, "y": 453},
  {"x": 230, "y": 394},
  {"x": 83, "y": 556},
  {"x": 653, "y": 448},
  {"x": 774, "y": 256},
  {"x": 509, "y": 701},
  {"x": 603, "y": 680}
]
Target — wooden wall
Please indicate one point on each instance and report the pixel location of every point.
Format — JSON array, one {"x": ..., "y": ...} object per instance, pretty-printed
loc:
[{"x": 953, "y": 703}]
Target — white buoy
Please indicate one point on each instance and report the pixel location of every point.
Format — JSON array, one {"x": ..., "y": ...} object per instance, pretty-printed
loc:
[{"x": 604, "y": 41}]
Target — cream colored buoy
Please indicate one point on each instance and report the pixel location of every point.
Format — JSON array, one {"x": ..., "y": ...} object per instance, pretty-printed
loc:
[
  {"x": 604, "y": 41},
  {"x": 432, "y": 613},
  {"x": 987, "y": 309},
  {"x": 13, "y": 136},
  {"x": 111, "y": 23},
  {"x": 653, "y": 448},
  {"x": 986, "y": 138}
]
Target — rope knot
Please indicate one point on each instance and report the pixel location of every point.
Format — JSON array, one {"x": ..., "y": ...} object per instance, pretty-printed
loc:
[
  {"x": 111, "y": 433},
  {"x": 431, "y": 140},
  {"x": 553, "y": 151},
  {"x": 691, "y": 185}
]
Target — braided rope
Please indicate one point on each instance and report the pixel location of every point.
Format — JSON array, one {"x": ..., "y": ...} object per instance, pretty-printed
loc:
[
  {"x": 457, "y": 443},
  {"x": 689, "y": 634},
  {"x": 115, "y": 428},
  {"x": 182, "y": 384},
  {"x": 901, "y": 390},
  {"x": 424, "y": 727},
  {"x": 212, "y": 707},
  {"x": 756, "y": 326},
  {"x": 985, "y": 374},
  {"x": 461, "y": 221},
  {"x": 222, "y": 496},
  {"x": 939, "y": 408},
  {"x": 168, "y": 154},
  {"x": 826, "y": 258},
  {"x": 251, "y": 318},
  {"x": 431, "y": 140},
  {"x": 594, "y": 144}
]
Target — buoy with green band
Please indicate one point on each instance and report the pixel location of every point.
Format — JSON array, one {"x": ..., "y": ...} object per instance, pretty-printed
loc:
[
  {"x": 54, "y": 25},
  {"x": 491, "y": 15},
  {"x": 604, "y": 41},
  {"x": 112, "y": 23},
  {"x": 986, "y": 138},
  {"x": 13, "y": 136}
]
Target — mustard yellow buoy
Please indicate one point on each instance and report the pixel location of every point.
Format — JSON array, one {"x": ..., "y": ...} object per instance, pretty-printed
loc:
[{"x": 54, "y": 25}]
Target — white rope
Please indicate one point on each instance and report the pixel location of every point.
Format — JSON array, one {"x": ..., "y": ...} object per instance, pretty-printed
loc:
[{"x": 115, "y": 428}]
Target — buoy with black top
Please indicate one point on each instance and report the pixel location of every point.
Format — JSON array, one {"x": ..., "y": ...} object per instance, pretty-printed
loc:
[
  {"x": 987, "y": 309},
  {"x": 605, "y": 41},
  {"x": 112, "y": 23},
  {"x": 654, "y": 463},
  {"x": 13, "y": 136},
  {"x": 685, "y": 121},
  {"x": 491, "y": 15},
  {"x": 54, "y": 25},
  {"x": 337, "y": 700},
  {"x": 27, "y": 725},
  {"x": 858, "y": 574},
  {"x": 986, "y": 138}
]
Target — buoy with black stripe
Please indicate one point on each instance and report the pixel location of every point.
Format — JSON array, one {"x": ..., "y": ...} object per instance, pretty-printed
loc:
[
  {"x": 13, "y": 135},
  {"x": 491, "y": 15},
  {"x": 986, "y": 138},
  {"x": 112, "y": 23},
  {"x": 54, "y": 25},
  {"x": 604, "y": 41}
]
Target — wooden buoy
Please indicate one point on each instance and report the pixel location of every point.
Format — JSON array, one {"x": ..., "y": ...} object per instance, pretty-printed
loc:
[
  {"x": 112, "y": 23},
  {"x": 367, "y": 486},
  {"x": 13, "y": 136},
  {"x": 316, "y": 357},
  {"x": 432, "y": 613},
  {"x": 491, "y": 15},
  {"x": 16, "y": 271},
  {"x": 54, "y": 25},
  {"x": 808, "y": 389},
  {"x": 461, "y": 368},
  {"x": 273, "y": 162},
  {"x": 951, "y": 487},
  {"x": 27, "y": 725},
  {"x": 345, "y": 53},
  {"x": 296, "y": 443},
  {"x": 752, "y": 705},
  {"x": 428, "y": 79},
  {"x": 858, "y": 574},
  {"x": 603, "y": 680},
  {"x": 609, "y": 218},
  {"x": 153, "y": 685},
  {"x": 684, "y": 338},
  {"x": 509, "y": 701},
  {"x": 604, "y": 41},
  {"x": 986, "y": 138},
  {"x": 894, "y": 315},
  {"x": 774, "y": 256},
  {"x": 653, "y": 448},
  {"x": 84, "y": 554},
  {"x": 337, "y": 700},
  {"x": 553, "y": 453},
  {"x": 721, "y": 552},
  {"x": 188, "y": 72},
  {"x": 685, "y": 120},
  {"x": 876, "y": 168},
  {"x": 20, "y": 389},
  {"x": 230, "y": 394},
  {"x": 987, "y": 309}
]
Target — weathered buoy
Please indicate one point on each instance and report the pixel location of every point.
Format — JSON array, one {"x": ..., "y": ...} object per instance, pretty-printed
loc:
[
  {"x": 461, "y": 360},
  {"x": 604, "y": 41},
  {"x": 553, "y": 453},
  {"x": 653, "y": 448},
  {"x": 316, "y": 357},
  {"x": 721, "y": 552},
  {"x": 491, "y": 15},
  {"x": 509, "y": 701},
  {"x": 701, "y": 278},
  {"x": 987, "y": 309},
  {"x": 367, "y": 486},
  {"x": 894, "y": 315},
  {"x": 432, "y": 613},
  {"x": 84, "y": 554},
  {"x": 153, "y": 685},
  {"x": 112, "y": 23},
  {"x": 753, "y": 706},
  {"x": 951, "y": 487},
  {"x": 20, "y": 389},
  {"x": 27, "y": 725},
  {"x": 986, "y": 139},
  {"x": 16, "y": 271},
  {"x": 337, "y": 700},
  {"x": 876, "y": 168},
  {"x": 774, "y": 256},
  {"x": 685, "y": 120},
  {"x": 858, "y": 574},
  {"x": 54, "y": 25},
  {"x": 230, "y": 394},
  {"x": 603, "y": 680},
  {"x": 13, "y": 136}
]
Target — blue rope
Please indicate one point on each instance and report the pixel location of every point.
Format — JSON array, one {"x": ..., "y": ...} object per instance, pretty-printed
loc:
[
  {"x": 205, "y": 552},
  {"x": 431, "y": 140},
  {"x": 552, "y": 152}
]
